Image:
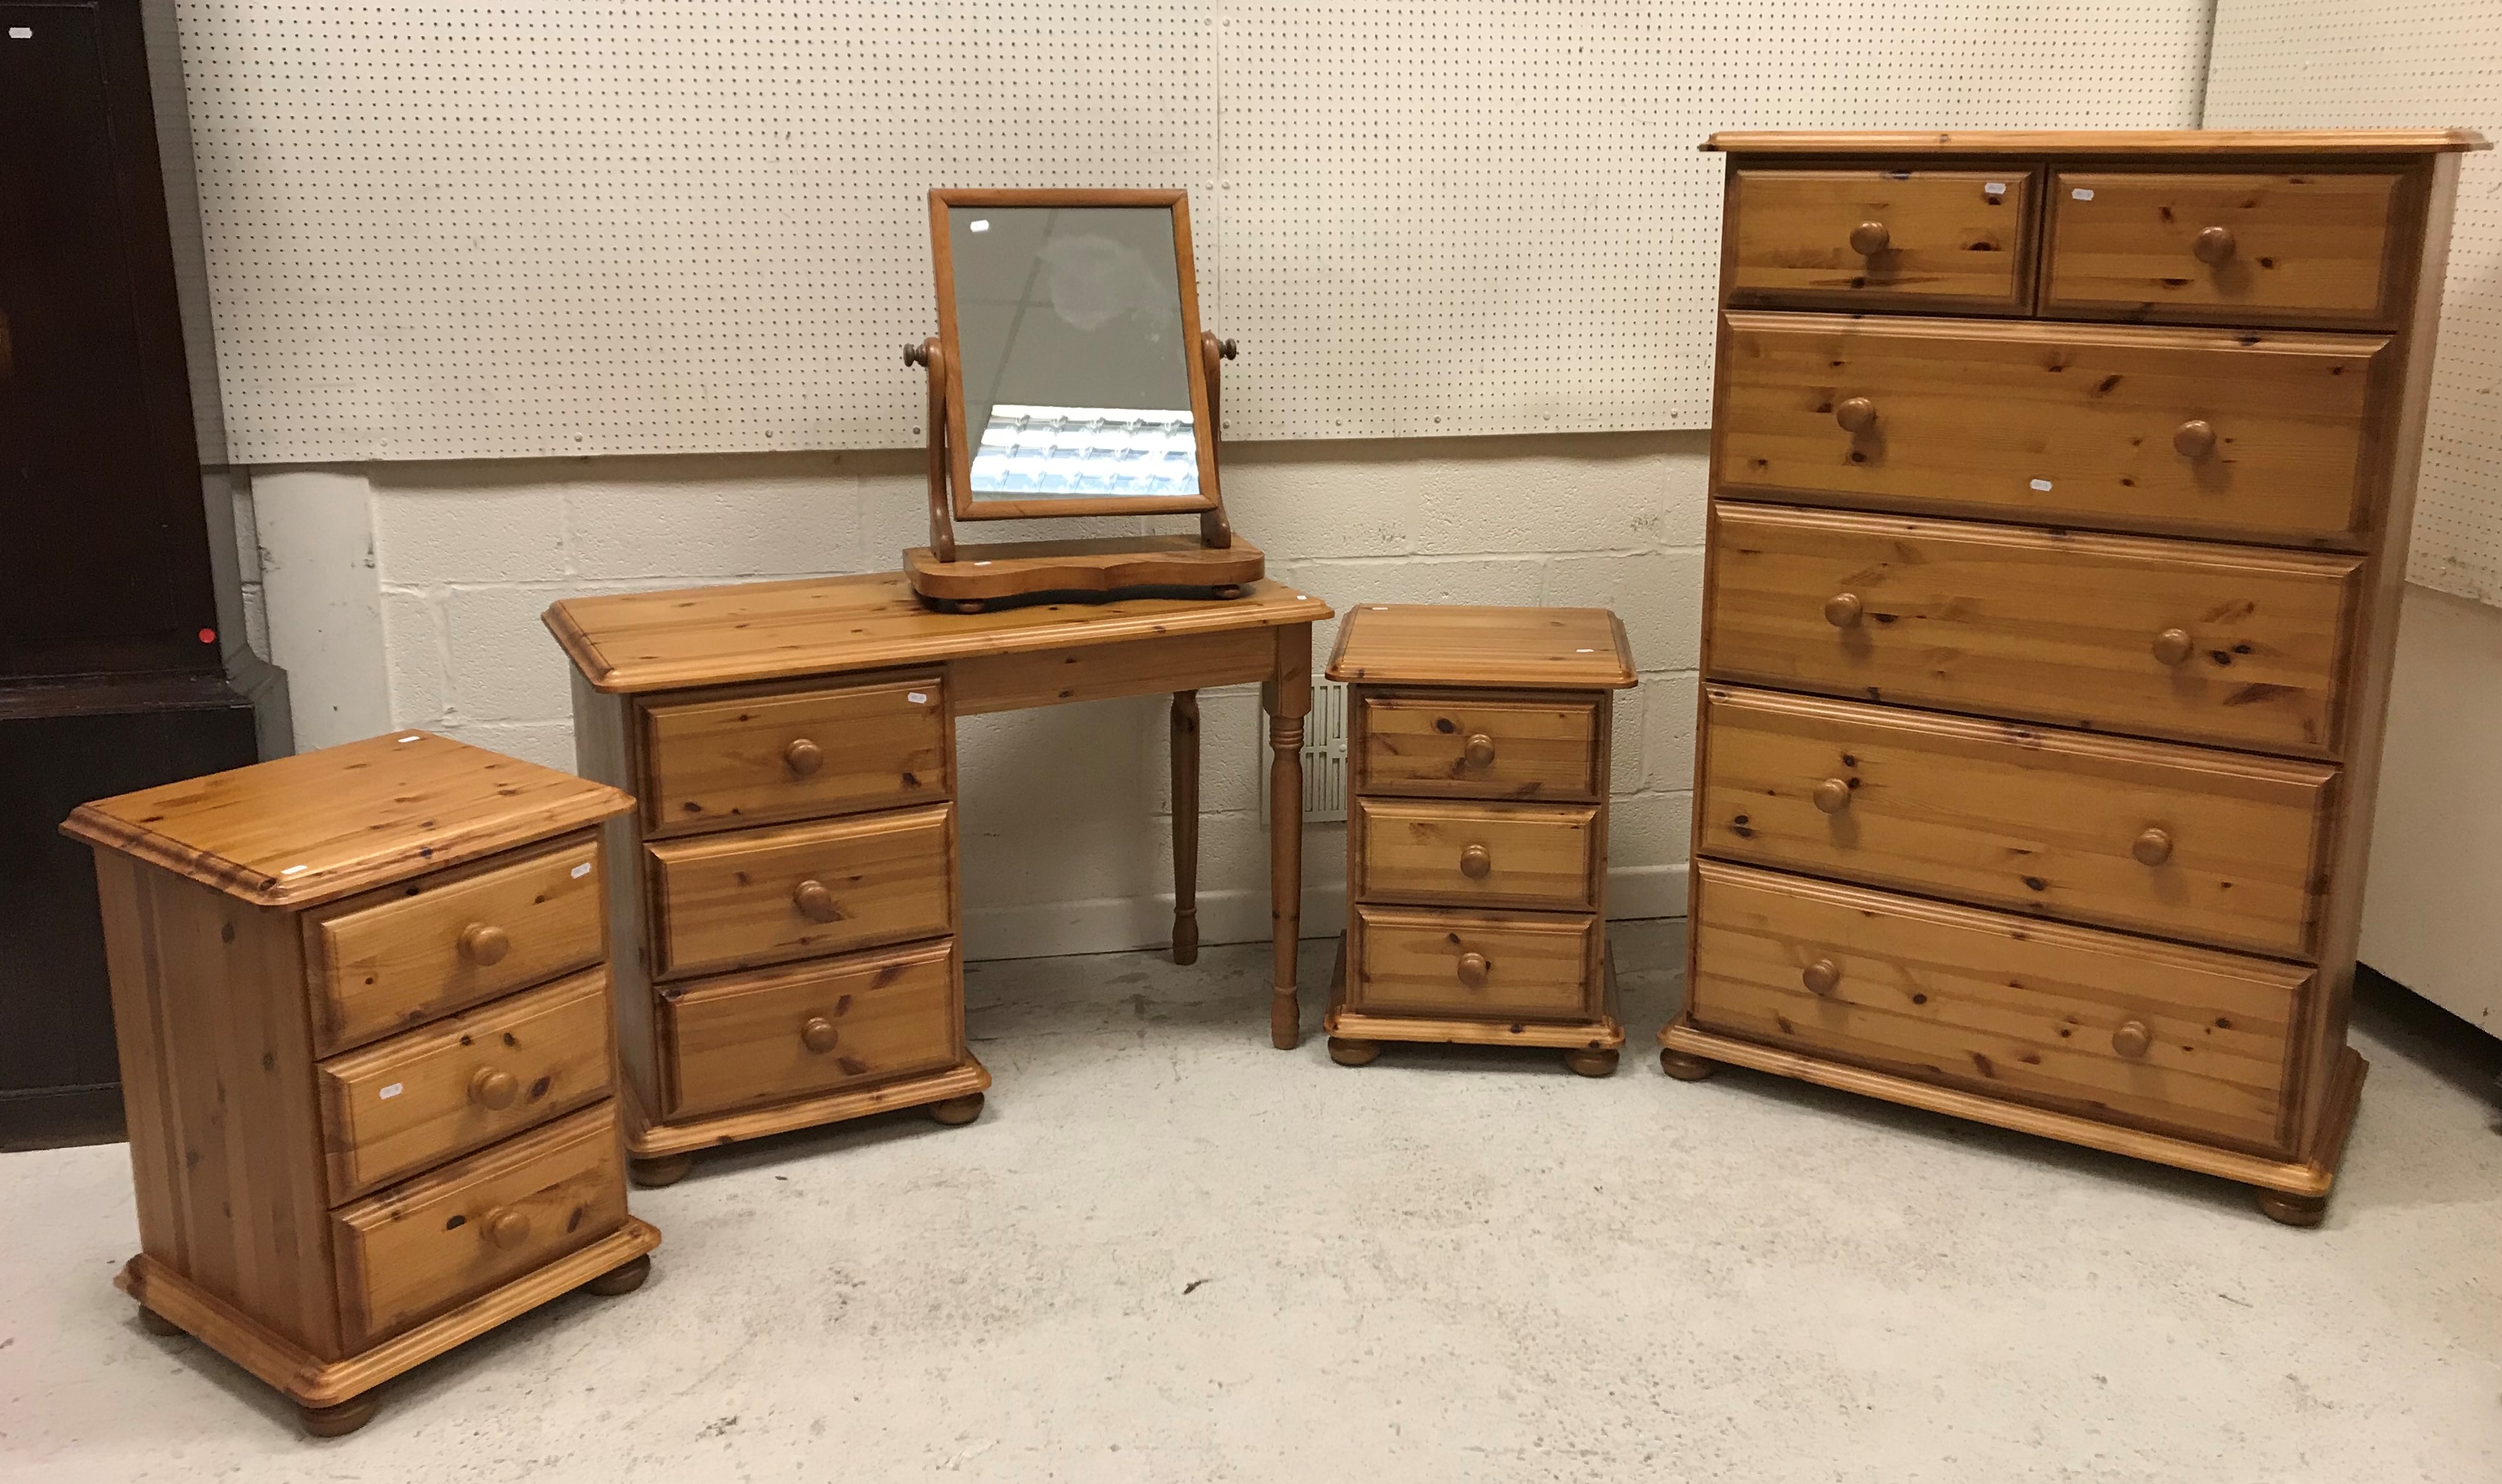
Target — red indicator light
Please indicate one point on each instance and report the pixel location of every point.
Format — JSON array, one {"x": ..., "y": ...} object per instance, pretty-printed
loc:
[{"x": 208, "y": 636}]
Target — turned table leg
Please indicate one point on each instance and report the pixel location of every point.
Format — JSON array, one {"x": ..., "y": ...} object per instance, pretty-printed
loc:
[
  {"x": 1185, "y": 826},
  {"x": 1290, "y": 699}
]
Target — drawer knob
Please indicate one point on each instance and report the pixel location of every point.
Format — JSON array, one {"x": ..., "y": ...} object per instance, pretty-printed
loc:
[
  {"x": 1480, "y": 750},
  {"x": 1475, "y": 862},
  {"x": 1855, "y": 414},
  {"x": 1869, "y": 238},
  {"x": 1474, "y": 971},
  {"x": 2173, "y": 646},
  {"x": 2214, "y": 246},
  {"x": 1821, "y": 976},
  {"x": 804, "y": 757},
  {"x": 485, "y": 943},
  {"x": 507, "y": 1227},
  {"x": 2194, "y": 439},
  {"x": 814, "y": 902},
  {"x": 2152, "y": 847},
  {"x": 2132, "y": 1038},
  {"x": 1841, "y": 610},
  {"x": 1833, "y": 795},
  {"x": 491, "y": 1088},
  {"x": 819, "y": 1034}
]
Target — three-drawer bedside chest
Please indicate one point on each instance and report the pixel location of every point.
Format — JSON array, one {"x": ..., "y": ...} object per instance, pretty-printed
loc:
[
  {"x": 1476, "y": 838},
  {"x": 361, "y": 999},
  {"x": 2060, "y": 494}
]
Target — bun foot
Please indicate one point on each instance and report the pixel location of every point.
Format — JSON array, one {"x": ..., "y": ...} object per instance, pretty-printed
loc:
[
  {"x": 158, "y": 1324},
  {"x": 1591, "y": 1063},
  {"x": 659, "y": 1169},
  {"x": 953, "y": 1111},
  {"x": 1348, "y": 1052},
  {"x": 336, "y": 1421},
  {"x": 1685, "y": 1068},
  {"x": 624, "y": 1278},
  {"x": 2293, "y": 1210}
]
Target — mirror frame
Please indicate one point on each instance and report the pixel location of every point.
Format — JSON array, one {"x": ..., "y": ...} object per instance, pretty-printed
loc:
[{"x": 960, "y": 445}]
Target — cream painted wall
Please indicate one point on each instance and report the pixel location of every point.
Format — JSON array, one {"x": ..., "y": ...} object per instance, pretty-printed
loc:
[{"x": 409, "y": 596}]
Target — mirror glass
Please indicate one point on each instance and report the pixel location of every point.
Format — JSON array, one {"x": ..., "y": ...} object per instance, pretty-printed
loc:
[{"x": 1069, "y": 339}]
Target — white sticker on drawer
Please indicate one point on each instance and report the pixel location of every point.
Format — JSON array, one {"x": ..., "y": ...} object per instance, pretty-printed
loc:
[
  {"x": 392, "y": 1090},
  {"x": 582, "y": 871},
  {"x": 2081, "y": 193},
  {"x": 2042, "y": 485},
  {"x": 1995, "y": 189},
  {"x": 917, "y": 699}
]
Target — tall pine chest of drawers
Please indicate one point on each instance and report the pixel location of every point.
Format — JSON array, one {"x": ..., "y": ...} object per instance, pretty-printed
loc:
[{"x": 2060, "y": 491}]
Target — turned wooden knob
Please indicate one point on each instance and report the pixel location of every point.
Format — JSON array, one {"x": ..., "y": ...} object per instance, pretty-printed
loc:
[
  {"x": 1480, "y": 750},
  {"x": 2214, "y": 246},
  {"x": 1841, "y": 610},
  {"x": 2152, "y": 847},
  {"x": 1869, "y": 238},
  {"x": 2173, "y": 646},
  {"x": 2132, "y": 1038},
  {"x": 491, "y": 1088},
  {"x": 1856, "y": 414},
  {"x": 485, "y": 943},
  {"x": 507, "y": 1228},
  {"x": 1475, "y": 862},
  {"x": 2194, "y": 439},
  {"x": 803, "y": 757},
  {"x": 1473, "y": 970},
  {"x": 1833, "y": 795},
  {"x": 814, "y": 902},
  {"x": 1821, "y": 976},
  {"x": 819, "y": 1034}
]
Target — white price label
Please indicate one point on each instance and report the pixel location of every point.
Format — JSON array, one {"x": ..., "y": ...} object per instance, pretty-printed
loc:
[
  {"x": 2081, "y": 193},
  {"x": 582, "y": 871},
  {"x": 392, "y": 1090},
  {"x": 2042, "y": 485},
  {"x": 917, "y": 699}
]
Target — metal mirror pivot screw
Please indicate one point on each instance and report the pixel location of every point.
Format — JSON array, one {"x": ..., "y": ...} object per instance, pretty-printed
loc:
[
  {"x": 1475, "y": 862},
  {"x": 1821, "y": 976},
  {"x": 485, "y": 943},
  {"x": 1227, "y": 349},
  {"x": 1856, "y": 415},
  {"x": 2173, "y": 646},
  {"x": 803, "y": 757},
  {"x": 916, "y": 353},
  {"x": 2214, "y": 246},
  {"x": 1479, "y": 751},
  {"x": 491, "y": 1088},
  {"x": 2152, "y": 847},
  {"x": 2194, "y": 439},
  {"x": 814, "y": 902},
  {"x": 1869, "y": 238},
  {"x": 1474, "y": 971},
  {"x": 1833, "y": 795},
  {"x": 2132, "y": 1038},
  {"x": 819, "y": 1034},
  {"x": 1841, "y": 610}
]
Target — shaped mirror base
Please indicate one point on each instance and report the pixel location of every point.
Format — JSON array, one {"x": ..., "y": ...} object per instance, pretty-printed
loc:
[{"x": 1092, "y": 570}]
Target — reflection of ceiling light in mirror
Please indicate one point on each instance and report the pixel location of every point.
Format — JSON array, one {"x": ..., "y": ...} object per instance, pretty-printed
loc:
[
  {"x": 982, "y": 225},
  {"x": 1079, "y": 450}
]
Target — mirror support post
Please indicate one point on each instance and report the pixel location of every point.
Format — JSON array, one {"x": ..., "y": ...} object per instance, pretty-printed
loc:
[
  {"x": 942, "y": 525},
  {"x": 1214, "y": 531}
]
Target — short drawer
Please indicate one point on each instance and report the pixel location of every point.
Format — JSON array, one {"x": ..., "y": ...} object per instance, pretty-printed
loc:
[
  {"x": 2257, "y": 436},
  {"x": 411, "y": 1102},
  {"x": 761, "y": 758},
  {"x": 761, "y": 897},
  {"x": 771, "y": 1036},
  {"x": 424, "y": 1247},
  {"x": 1478, "y": 854},
  {"x": 2314, "y": 248},
  {"x": 1948, "y": 238},
  {"x": 2201, "y": 642},
  {"x": 2217, "y": 847},
  {"x": 421, "y": 950},
  {"x": 1481, "y": 964},
  {"x": 1457, "y": 745},
  {"x": 2179, "y": 1038}
]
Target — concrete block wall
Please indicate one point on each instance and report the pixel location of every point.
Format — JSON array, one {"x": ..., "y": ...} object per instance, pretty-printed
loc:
[{"x": 409, "y": 596}]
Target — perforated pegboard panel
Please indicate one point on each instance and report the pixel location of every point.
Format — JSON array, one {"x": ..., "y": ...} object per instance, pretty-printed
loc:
[
  {"x": 592, "y": 226},
  {"x": 2359, "y": 63}
]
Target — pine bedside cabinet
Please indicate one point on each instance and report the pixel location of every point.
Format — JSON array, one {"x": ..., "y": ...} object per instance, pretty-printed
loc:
[
  {"x": 2060, "y": 492},
  {"x": 361, "y": 996},
  {"x": 1476, "y": 838}
]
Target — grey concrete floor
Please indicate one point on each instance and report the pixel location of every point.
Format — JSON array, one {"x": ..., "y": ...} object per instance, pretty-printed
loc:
[{"x": 1168, "y": 1252}]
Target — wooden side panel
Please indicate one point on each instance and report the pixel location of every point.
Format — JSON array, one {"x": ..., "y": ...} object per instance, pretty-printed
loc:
[
  {"x": 764, "y": 896},
  {"x": 1478, "y": 854},
  {"x": 1882, "y": 238},
  {"x": 603, "y": 749},
  {"x": 1473, "y": 965},
  {"x": 1460, "y": 744},
  {"x": 1015, "y": 682},
  {"x": 759, "y": 758},
  {"x": 2311, "y": 246},
  {"x": 746, "y": 1039}
]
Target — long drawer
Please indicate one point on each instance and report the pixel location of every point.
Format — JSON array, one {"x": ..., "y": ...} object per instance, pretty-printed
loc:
[
  {"x": 2199, "y": 642},
  {"x": 793, "y": 754},
  {"x": 1475, "y": 966},
  {"x": 763, "y": 896},
  {"x": 1882, "y": 239},
  {"x": 2189, "y": 431},
  {"x": 1476, "y": 854},
  {"x": 2093, "y": 1023},
  {"x": 2219, "y": 847},
  {"x": 2312, "y": 248},
  {"x": 782, "y": 1034}
]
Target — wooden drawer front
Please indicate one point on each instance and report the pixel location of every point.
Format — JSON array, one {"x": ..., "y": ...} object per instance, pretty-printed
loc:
[
  {"x": 2224, "y": 848},
  {"x": 1882, "y": 238},
  {"x": 2107, "y": 634},
  {"x": 2175, "y": 430},
  {"x": 1458, "y": 746},
  {"x": 760, "y": 897},
  {"x": 411, "y": 1102},
  {"x": 1485, "y": 966},
  {"x": 2308, "y": 248},
  {"x": 1478, "y": 854},
  {"x": 426, "y": 948},
  {"x": 782, "y": 1034},
  {"x": 762, "y": 758},
  {"x": 2089, "y": 1021},
  {"x": 421, "y": 1248}
]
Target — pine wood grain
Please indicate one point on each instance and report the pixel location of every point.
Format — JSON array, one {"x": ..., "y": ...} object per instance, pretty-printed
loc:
[
  {"x": 1539, "y": 856},
  {"x": 1089, "y": 564},
  {"x": 687, "y": 1135},
  {"x": 1149, "y": 665},
  {"x": 2152, "y": 144},
  {"x": 736, "y": 901},
  {"x": 2308, "y": 247},
  {"x": 763, "y": 757},
  {"x": 1410, "y": 961},
  {"x": 1454, "y": 644},
  {"x": 1604, "y": 1033},
  {"x": 740, "y": 1042},
  {"x": 1462, "y": 744},
  {"x": 1953, "y": 239}
]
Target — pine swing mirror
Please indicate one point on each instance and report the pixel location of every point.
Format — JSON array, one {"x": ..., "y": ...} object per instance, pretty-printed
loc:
[{"x": 1069, "y": 378}]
